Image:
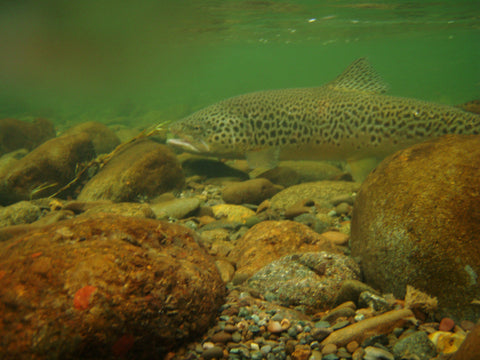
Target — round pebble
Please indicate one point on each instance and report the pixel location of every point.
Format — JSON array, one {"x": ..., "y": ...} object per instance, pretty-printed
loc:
[
  {"x": 221, "y": 337},
  {"x": 330, "y": 357},
  {"x": 265, "y": 349},
  {"x": 322, "y": 324},
  {"x": 352, "y": 346},
  {"x": 446, "y": 324},
  {"x": 213, "y": 353},
  {"x": 329, "y": 349},
  {"x": 274, "y": 327},
  {"x": 340, "y": 324}
]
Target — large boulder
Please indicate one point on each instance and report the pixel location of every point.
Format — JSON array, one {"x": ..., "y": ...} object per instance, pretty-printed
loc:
[
  {"x": 16, "y": 134},
  {"x": 416, "y": 222},
  {"x": 102, "y": 287},
  {"x": 46, "y": 169},
  {"x": 137, "y": 172},
  {"x": 103, "y": 139}
]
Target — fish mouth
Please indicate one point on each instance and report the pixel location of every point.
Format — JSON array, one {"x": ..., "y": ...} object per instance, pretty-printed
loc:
[{"x": 190, "y": 145}]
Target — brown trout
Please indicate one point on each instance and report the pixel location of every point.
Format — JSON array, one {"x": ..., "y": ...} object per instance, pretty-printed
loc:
[{"x": 348, "y": 119}]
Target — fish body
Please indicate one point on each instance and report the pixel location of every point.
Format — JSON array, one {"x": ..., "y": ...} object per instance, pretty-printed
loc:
[{"x": 349, "y": 119}]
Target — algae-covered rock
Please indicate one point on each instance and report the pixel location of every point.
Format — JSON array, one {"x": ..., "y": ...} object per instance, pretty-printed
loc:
[
  {"x": 416, "y": 222},
  {"x": 46, "y": 169},
  {"x": 16, "y": 134},
  {"x": 140, "y": 170},
  {"x": 310, "y": 279},
  {"x": 103, "y": 139}
]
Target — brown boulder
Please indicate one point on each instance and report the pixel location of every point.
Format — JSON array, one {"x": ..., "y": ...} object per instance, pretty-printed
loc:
[
  {"x": 103, "y": 287},
  {"x": 16, "y": 134},
  {"x": 416, "y": 222},
  {"x": 270, "y": 240},
  {"x": 103, "y": 139},
  {"x": 470, "y": 348},
  {"x": 141, "y": 170},
  {"x": 46, "y": 169},
  {"x": 250, "y": 192}
]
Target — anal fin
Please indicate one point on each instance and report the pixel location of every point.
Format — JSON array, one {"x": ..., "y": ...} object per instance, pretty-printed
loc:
[{"x": 264, "y": 158}]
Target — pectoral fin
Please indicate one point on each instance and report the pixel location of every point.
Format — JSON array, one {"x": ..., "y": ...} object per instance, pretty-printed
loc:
[
  {"x": 265, "y": 158},
  {"x": 361, "y": 168}
]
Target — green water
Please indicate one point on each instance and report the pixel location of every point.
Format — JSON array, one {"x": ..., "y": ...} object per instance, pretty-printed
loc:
[{"x": 149, "y": 61}]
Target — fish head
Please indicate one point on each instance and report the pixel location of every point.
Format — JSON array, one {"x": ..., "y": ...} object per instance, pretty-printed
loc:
[{"x": 212, "y": 131}]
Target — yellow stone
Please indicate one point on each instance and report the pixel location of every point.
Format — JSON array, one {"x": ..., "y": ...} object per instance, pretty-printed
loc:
[
  {"x": 234, "y": 213},
  {"x": 446, "y": 342}
]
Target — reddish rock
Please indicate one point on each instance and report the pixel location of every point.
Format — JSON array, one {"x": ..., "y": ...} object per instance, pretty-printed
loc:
[
  {"x": 270, "y": 240},
  {"x": 103, "y": 139},
  {"x": 95, "y": 287},
  {"x": 140, "y": 170},
  {"x": 46, "y": 169},
  {"x": 417, "y": 218},
  {"x": 446, "y": 324},
  {"x": 17, "y": 134}
]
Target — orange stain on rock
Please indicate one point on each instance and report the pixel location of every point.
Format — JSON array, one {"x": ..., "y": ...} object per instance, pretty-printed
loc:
[{"x": 81, "y": 300}]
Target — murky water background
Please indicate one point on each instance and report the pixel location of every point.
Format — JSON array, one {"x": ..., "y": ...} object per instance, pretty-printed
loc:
[{"x": 151, "y": 61}]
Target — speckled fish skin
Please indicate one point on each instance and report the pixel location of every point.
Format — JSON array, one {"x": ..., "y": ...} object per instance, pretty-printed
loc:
[{"x": 346, "y": 119}]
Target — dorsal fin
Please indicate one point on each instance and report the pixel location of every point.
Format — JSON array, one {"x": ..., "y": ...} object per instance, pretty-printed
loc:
[{"x": 360, "y": 76}]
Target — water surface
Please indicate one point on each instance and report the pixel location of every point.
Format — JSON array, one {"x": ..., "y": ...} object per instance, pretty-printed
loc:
[{"x": 152, "y": 61}]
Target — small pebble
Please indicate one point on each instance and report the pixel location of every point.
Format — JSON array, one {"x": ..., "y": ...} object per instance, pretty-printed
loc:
[
  {"x": 254, "y": 329},
  {"x": 329, "y": 349},
  {"x": 265, "y": 349},
  {"x": 358, "y": 354},
  {"x": 330, "y": 357},
  {"x": 236, "y": 337},
  {"x": 343, "y": 353},
  {"x": 340, "y": 324},
  {"x": 352, "y": 346},
  {"x": 336, "y": 237},
  {"x": 208, "y": 345},
  {"x": 467, "y": 325},
  {"x": 274, "y": 327},
  {"x": 374, "y": 353},
  {"x": 221, "y": 337},
  {"x": 256, "y": 355},
  {"x": 213, "y": 353},
  {"x": 322, "y": 324},
  {"x": 446, "y": 324},
  {"x": 230, "y": 328}
]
